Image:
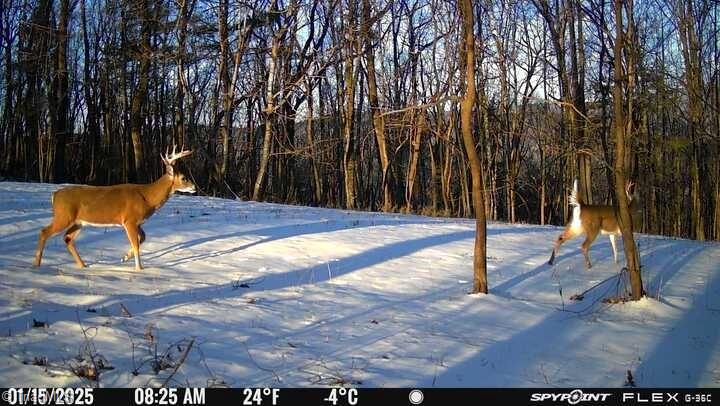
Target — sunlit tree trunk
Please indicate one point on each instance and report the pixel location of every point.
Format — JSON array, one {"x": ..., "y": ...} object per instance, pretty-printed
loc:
[
  {"x": 350, "y": 164},
  {"x": 467, "y": 57},
  {"x": 623, "y": 110},
  {"x": 258, "y": 189}
]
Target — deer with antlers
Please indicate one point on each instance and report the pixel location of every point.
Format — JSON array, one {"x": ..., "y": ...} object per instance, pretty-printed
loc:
[
  {"x": 592, "y": 220},
  {"x": 126, "y": 205}
]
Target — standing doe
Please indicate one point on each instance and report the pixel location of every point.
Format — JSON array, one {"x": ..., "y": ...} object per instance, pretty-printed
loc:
[
  {"x": 591, "y": 220},
  {"x": 126, "y": 205}
]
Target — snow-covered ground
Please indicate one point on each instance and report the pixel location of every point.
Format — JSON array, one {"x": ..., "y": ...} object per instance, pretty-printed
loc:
[{"x": 274, "y": 295}]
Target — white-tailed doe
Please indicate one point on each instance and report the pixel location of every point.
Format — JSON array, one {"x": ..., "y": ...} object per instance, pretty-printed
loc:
[
  {"x": 126, "y": 205},
  {"x": 591, "y": 220}
]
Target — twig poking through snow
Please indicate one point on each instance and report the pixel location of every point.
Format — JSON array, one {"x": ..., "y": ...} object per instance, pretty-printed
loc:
[
  {"x": 629, "y": 381},
  {"x": 89, "y": 353},
  {"x": 260, "y": 367},
  {"x": 180, "y": 362},
  {"x": 124, "y": 311}
]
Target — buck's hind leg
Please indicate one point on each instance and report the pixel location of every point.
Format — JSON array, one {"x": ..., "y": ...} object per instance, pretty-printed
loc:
[
  {"x": 53, "y": 228},
  {"x": 141, "y": 235},
  {"x": 70, "y": 236},
  {"x": 567, "y": 234}
]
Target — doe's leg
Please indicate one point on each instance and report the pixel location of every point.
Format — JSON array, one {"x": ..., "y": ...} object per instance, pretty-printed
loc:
[
  {"x": 53, "y": 228},
  {"x": 613, "y": 244},
  {"x": 591, "y": 235},
  {"x": 70, "y": 236}
]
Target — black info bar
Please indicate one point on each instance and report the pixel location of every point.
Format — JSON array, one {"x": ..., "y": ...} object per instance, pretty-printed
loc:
[{"x": 341, "y": 396}]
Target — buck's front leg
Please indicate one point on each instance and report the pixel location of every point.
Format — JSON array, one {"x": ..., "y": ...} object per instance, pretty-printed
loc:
[
  {"x": 141, "y": 234},
  {"x": 133, "y": 234}
]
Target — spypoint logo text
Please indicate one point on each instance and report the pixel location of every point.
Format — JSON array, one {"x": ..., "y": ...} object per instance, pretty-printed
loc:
[{"x": 575, "y": 397}]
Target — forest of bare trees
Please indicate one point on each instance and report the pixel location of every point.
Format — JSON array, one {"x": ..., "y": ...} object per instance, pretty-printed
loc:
[{"x": 364, "y": 104}]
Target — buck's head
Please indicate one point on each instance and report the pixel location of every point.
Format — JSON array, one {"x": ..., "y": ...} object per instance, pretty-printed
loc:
[{"x": 180, "y": 183}]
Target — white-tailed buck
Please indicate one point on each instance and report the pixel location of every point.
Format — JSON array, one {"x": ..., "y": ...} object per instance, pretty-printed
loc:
[
  {"x": 592, "y": 220},
  {"x": 126, "y": 205}
]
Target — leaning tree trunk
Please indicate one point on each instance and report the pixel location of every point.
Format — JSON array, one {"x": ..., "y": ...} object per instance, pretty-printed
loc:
[
  {"x": 269, "y": 113},
  {"x": 467, "y": 58}
]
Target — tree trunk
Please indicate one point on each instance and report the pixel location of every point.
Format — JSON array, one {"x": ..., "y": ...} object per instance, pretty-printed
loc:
[
  {"x": 258, "y": 190},
  {"x": 59, "y": 100},
  {"x": 446, "y": 180},
  {"x": 577, "y": 79},
  {"x": 350, "y": 144},
  {"x": 225, "y": 97},
  {"x": 623, "y": 123},
  {"x": 691, "y": 51},
  {"x": 179, "y": 132},
  {"x": 93, "y": 123},
  {"x": 416, "y": 128},
  {"x": 8, "y": 114},
  {"x": 34, "y": 45},
  {"x": 310, "y": 134},
  {"x": 542, "y": 185},
  {"x": 377, "y": 118},
  {"x": 467, "y": 58},
  {"x": 140, "y": 95}
]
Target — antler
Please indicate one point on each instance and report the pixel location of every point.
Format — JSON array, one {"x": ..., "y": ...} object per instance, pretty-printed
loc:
[
  {"x": 629, "y": 187},
  {"x": 169, "y": 159}
]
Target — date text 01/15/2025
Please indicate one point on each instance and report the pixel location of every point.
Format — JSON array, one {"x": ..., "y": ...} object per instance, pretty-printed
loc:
[{"x": 89, "y": 396}]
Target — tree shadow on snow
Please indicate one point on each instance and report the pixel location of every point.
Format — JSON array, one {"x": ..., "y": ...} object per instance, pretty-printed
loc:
[
  {"x": 552, "y": 351},
  {"x": 304, "y": 276}
]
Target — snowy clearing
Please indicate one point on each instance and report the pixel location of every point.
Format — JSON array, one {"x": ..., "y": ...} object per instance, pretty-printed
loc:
[{"x": 274, "y": 295}]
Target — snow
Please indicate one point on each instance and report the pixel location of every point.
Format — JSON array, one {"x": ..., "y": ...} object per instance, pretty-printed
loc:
[{"x": 288, "y": 296}]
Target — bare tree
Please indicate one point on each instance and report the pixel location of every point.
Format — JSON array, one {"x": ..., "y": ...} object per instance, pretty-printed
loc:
[
  {"x": 691, "y": 51},
  {"x": 350, "y": 56},
  {"x": 145, "y": 18},
  {"x": 467, "y": 56},
  {"x": 377, "y": 117},
  {"x": 623, "y": 110}
]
